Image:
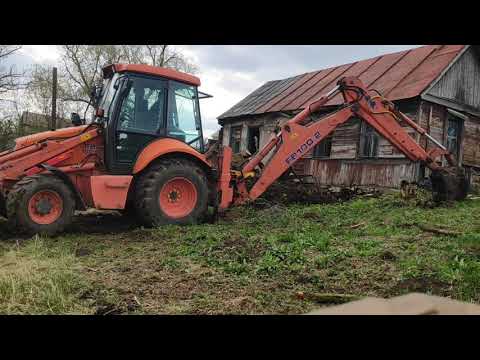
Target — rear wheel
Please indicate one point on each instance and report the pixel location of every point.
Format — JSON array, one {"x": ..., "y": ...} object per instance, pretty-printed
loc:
[
  {"x": 40, "y": 204},
  {"x": 173, "y": 191}
]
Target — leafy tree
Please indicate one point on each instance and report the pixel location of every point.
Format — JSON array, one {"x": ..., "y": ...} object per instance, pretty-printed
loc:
[{"x": 80, "y": 68}]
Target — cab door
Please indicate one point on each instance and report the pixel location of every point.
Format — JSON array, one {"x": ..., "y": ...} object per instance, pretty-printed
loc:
[{"x": 139, "y": 119}]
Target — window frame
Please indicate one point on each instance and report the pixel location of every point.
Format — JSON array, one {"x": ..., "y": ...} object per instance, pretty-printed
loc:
[
  {"x": 161, "y": 124},
  {"x": 362, "y": 141},
  {"x": 321, "y": 145},
  {"x": 198, "y": 118},
  {"x": 116, "y": 163},
  {"x": 239, "y": 140},
  {"x": 460, "y": 128},
  {"x": 249, "y": 133}
]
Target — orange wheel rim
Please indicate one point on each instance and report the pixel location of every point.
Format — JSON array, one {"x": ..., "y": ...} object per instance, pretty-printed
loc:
[
  {"x": 178, "y": 197},
  {"x": 45, "y": 207}
]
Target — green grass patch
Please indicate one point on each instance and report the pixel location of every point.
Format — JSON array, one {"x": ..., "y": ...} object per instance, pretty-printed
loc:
[{"x": 252, "y": 261}]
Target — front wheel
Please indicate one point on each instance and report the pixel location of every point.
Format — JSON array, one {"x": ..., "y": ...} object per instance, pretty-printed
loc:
[
  {"x": 40, "y": 204},
  {"x": 173, "y": 191}
]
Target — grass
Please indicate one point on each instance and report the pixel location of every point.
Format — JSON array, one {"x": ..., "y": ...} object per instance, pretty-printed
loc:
[
  {"x": 273, "y": 260},
  {"x": 39, "y": 279}
]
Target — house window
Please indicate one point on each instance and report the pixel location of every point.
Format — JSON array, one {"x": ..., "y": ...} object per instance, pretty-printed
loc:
[
  {"x": 454, "y": 128},
  {"x": 235, "y": 138},
  {"x": 253, "y": 139},
  {"x": 368, "y": 141},
  {"x": 324, "y": 149}
]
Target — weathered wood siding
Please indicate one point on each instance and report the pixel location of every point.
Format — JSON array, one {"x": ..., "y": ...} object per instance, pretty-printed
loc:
[
  {"x": 345, "y": 140},
  {"x": 471, "y": 142},
  {"x": 433, "y": 120},
  {"x": 461, "y": 82},
  {"x": 381, "y": 173}
]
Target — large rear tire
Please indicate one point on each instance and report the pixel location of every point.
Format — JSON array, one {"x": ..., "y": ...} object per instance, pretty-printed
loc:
[
  {"x": 172, "y": 191},
  {"x": 40, "y": 204}
]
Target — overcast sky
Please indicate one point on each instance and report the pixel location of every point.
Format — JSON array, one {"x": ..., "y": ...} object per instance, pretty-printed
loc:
[{"x": 230, "y": 73}]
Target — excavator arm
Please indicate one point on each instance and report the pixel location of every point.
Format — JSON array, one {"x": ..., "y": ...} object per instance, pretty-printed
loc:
[{"x": 299, "y": 135}]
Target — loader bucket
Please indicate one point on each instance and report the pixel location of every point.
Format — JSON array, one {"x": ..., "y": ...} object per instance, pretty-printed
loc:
[{"x": 449, "y": 184}]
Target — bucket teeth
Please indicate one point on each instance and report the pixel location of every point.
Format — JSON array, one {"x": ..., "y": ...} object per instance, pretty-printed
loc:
[{"x": 449, "y": 184}]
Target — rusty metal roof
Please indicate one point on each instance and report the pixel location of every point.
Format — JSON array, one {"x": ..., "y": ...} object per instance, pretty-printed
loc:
[{"x": 399, "y": 75}]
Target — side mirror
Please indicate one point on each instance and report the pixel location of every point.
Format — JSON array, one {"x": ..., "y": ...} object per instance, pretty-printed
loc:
[{"x": 75, "y": 118}]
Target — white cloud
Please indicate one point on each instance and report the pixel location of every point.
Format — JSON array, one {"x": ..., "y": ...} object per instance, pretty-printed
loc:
[{"x": 41, "y": 53}]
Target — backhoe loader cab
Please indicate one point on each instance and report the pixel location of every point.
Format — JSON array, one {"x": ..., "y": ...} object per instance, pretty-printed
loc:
[{"x": 139, "y": 104}]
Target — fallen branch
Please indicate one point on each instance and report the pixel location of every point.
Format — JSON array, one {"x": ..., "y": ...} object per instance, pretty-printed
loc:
[
  {"x": 438, "y": 231},
  {"x": 357, "y": 225}
]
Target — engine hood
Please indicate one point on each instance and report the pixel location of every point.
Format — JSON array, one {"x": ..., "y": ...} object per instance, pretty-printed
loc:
[{"x": 27, "y": 140}]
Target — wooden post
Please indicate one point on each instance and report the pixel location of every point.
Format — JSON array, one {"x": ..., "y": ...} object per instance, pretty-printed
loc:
[{"x": 53, "y": 124}]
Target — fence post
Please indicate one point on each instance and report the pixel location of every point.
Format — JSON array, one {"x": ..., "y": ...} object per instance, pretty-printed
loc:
[{"x": 53, "y": 124}]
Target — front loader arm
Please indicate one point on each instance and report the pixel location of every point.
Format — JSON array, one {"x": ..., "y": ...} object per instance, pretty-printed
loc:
[{"x": 295, "y": 139}]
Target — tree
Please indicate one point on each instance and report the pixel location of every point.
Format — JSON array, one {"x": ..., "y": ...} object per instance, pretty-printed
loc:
[
  {"x": 81, "y": 67},
  {"x": 10, "y": 79}
]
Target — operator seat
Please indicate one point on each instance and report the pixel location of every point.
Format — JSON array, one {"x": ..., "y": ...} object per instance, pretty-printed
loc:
[{"x": 146, "y": 120}]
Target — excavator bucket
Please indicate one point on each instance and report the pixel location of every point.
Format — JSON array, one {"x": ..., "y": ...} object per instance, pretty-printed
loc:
[{"x": 449, "y": 184}]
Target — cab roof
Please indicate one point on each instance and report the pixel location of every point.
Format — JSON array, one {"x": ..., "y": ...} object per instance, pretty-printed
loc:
[{"x": 151, "y": 70}]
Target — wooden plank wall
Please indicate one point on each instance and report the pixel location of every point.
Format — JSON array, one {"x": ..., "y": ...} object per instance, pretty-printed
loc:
[
  {"x": 461, "y": 83},
  {"x": 471, "y": 142}
]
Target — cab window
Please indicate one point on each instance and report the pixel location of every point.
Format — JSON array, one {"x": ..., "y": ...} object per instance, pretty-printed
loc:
[
  {"x": 142, "y": 108},
  {"x": 183, "y": 116},
  {"x": 141, "y": 117}
]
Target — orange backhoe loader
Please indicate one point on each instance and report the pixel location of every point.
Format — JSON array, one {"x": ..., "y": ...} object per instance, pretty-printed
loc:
[{"x": 144, "y": 153}]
